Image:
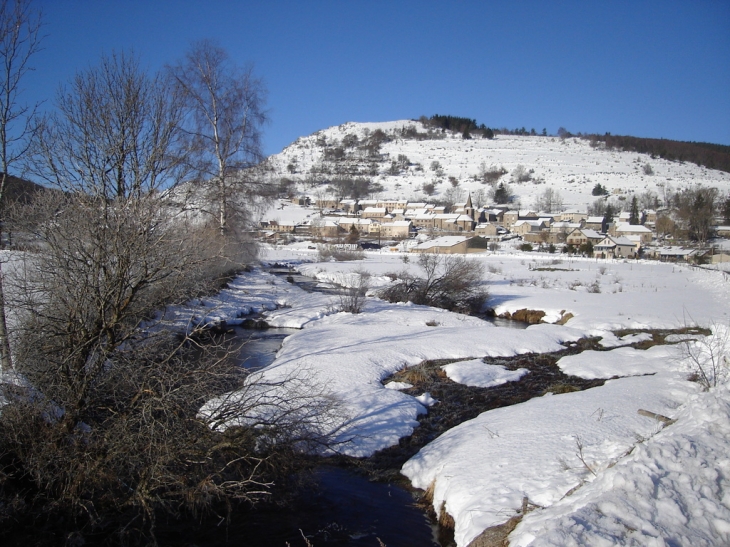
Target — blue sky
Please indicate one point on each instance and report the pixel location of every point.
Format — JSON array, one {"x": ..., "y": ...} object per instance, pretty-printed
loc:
[{"x": 643, "y": 68}]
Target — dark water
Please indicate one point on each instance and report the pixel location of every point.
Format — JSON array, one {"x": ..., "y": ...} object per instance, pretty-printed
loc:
[
  {"x": 259, "y": 347},
  {"x": 344, "y": 508},
  {"x": 506, "y": 323},
  {"x": 370, "y": 510},
  {"x": 340, "y": 507}
]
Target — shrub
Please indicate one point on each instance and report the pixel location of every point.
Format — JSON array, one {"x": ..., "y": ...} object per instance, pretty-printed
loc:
[
  {"x": 352, "y": 298},
  {"x": 527, "y": 247},
  {"x": 448, "y": 281},
  {"x": 490, "y": 175},
  {"x": 521, "y": 174},
  {"x": 346, "y": 255},
  {"x": 709, "y": 356},
  {"x": 108, "y": 433}
]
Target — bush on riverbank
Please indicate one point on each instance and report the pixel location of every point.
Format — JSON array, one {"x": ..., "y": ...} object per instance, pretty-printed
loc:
[
  {"x": 451, "y": 282},
  {"x": 101, "y": 430}
]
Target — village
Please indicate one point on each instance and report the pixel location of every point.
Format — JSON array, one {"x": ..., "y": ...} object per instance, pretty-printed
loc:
[{"x": 462, "y": 228}]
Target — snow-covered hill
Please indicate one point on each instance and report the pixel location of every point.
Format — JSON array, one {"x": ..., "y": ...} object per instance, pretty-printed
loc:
[{"x": 404, "y": 162}]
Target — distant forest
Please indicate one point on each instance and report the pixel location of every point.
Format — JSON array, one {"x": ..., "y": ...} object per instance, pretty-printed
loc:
[
  {"x": 712, "y": 156},
  {"x": 19, "y": 190},
  {"x": 466, "y": 126}
]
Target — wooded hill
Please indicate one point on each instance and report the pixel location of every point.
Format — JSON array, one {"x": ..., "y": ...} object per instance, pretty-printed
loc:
[{"x": 712, "y": 156}]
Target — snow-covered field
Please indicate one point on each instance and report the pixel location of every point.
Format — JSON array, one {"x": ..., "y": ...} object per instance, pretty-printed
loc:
[
  {"x": 600, "y": 473},
  {"x": 570, "y": 166}
]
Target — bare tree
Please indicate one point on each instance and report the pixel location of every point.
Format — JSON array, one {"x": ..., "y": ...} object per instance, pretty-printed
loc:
[
  {"x": 20, "y": 39},
  {"x": 454, "y": 195},
  {"x": 696, "y": 208},
  {"x": 648, "y": 200},
  {"x": 115, "y": 135},
  {"x": 106, "y": 429},
  {"x": 225, "y": 115},
  {"x": 353, "y": 296},
  {"x": 550, "y": 201},
  {"x": 479, "y": 198},
  {"x": 521, "y": 174},
  {"x": 111, "y": 432}
]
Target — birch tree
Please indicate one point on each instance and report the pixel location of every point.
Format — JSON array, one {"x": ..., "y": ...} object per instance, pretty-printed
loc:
[
  {"x": 225, "y": 116},
  {"x": 20, "y": 39}
]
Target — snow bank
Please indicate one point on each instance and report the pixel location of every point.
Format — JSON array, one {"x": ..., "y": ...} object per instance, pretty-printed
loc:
[
  {"x": 477, "y": 373},
  {"x": 618, "y": 362},
  {"x": 352, "y": 354},
  {"x": 546, "y": 447},
  {"x": 674, "y": 489},
  {"x": 257, "y": 292},
  {"x": 482, "y": 469}
]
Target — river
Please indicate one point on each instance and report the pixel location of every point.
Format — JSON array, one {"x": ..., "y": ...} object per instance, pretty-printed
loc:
[{"x": 341, "y": 506}]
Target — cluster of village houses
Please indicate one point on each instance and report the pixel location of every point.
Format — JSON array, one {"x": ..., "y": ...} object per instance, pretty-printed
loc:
[{"x": 400, "y": 220}]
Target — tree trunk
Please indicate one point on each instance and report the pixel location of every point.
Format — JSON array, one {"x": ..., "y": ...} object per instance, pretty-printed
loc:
[{"x": 6, "y": 361}]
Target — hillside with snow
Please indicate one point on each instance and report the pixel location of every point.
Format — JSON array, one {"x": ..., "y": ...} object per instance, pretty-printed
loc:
[{"x": 399, "y": 158}]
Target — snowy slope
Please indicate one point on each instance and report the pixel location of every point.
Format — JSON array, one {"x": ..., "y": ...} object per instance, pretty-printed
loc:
[{"x": 570, "y": 166}]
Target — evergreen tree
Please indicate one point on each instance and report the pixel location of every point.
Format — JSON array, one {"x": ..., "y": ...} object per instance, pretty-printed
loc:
[
  {"x": 634, "y": 214},
  {"x": 607, "y": 217},
  {"x": 599, "y": 190},
  {"x": 702, "y": 207},
  {"x": 500, "y": 194},
  {"x": 353, "y": 236}
]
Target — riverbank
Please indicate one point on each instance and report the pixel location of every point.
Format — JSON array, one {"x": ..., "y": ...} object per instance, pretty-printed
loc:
[{"x": 351, "y": 355}]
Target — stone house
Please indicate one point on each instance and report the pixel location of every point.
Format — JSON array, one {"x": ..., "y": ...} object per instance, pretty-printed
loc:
[
  {"x": 374, "y": 212},
  {"x": 325, "y": 228},
  {"x": 614, "y": 247},
  {"x": 522, "y": 227},
  {"x": 444, "y": 245},
  {"x": 281, "y": 226},
  {"x": 581, "y": 236},
  {"x": 573, "y": 216},
  {"x": 594, "y": 223},
  {"x": 400, "y": 229},
  {"x": 509, "y": 218},
  {"x": 488, "y": 230},
  {"x": 624, "y": 229}
]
